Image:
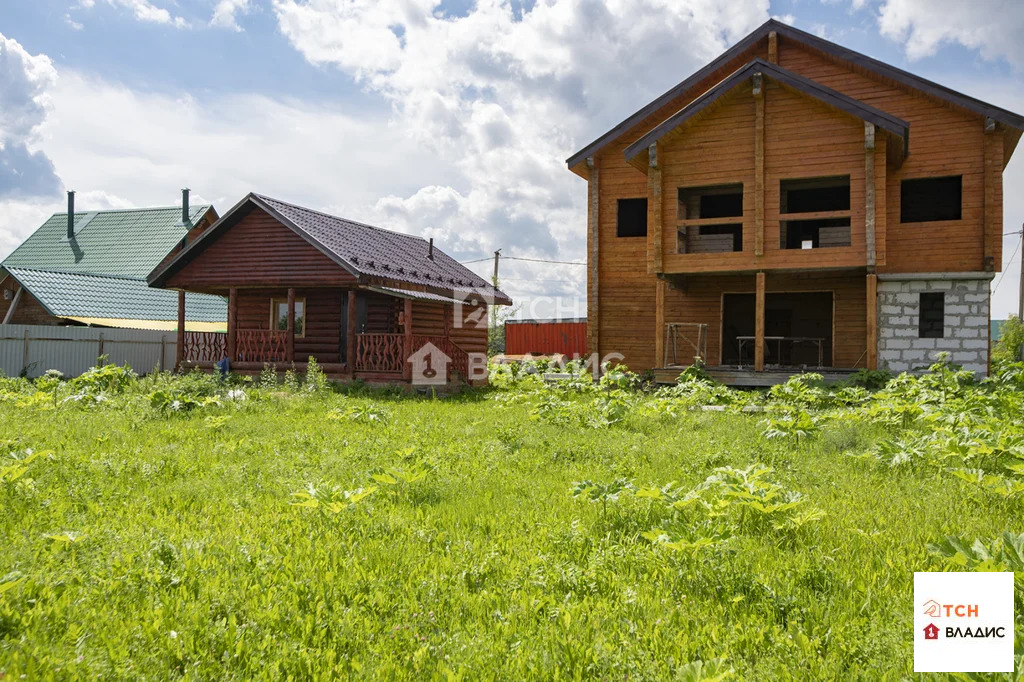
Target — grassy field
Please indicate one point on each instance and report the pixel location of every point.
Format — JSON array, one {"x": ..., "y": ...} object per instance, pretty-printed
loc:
[{"x": 164, "y": 528}]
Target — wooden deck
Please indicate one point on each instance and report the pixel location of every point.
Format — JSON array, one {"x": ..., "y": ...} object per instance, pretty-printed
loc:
[{"x": 747, "y": 377}]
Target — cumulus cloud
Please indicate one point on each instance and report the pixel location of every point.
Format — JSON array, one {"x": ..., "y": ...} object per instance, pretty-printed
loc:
[
  {"x": 992, "y": 27},
  {"x": 505, "y": 94},
  {"x": 25, "y": 84},
  {"x": 226, "y": 11},
  {"x": 143, "y": 10}
]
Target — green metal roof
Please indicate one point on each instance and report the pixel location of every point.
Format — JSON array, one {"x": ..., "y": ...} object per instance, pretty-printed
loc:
[
  {"x": 123, "y": 243},
  {"x": 73, "y": 295}
]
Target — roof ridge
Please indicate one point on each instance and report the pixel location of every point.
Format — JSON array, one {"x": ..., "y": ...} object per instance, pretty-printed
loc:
[{"x": 335, "y": 217}]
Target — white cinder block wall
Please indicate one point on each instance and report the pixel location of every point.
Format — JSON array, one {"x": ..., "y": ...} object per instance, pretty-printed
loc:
[{"x": 965, "y": 326}]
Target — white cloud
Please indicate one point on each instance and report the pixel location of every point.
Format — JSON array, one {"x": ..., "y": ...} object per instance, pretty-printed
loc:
[
  {"x": 226, "y": 11},
  {"x": 143, "y": 10},
  {"x": 992, "y": 27}
]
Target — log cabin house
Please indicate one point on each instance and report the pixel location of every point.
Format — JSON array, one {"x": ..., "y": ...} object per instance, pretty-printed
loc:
[
  {"x": 361, "y": 300},
  {"x": 794, "y": 205}
]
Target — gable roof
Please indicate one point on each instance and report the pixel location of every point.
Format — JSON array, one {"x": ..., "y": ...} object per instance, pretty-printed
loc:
[
  {"x": 128, "y": 302},
  {"x": 370, "y": 253},
  {"x": 120, "y": 243},
  {"x": 891, "y": 124},
  {"x": 761, "y": 33}
]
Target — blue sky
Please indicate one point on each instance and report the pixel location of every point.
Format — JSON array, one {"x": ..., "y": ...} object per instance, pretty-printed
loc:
[{"x": 450, "y": 120}]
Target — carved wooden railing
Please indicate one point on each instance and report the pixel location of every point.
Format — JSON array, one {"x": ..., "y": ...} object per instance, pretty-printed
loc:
[
  {"x": 380, "y": 353},
  {"x": 261, "y": 345},
  {"x": 458, "y": 358},
  {"x": 205, "y": 346}
]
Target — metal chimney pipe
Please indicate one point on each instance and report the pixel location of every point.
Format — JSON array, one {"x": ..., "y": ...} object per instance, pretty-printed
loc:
[
  {"x": 184, "y": 206},
  {"x": 430, "y": 253},
  {"x": 71, "y": 214}
]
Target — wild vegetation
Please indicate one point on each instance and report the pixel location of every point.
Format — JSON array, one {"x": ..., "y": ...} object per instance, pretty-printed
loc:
[{"x": 180, "y": 527}]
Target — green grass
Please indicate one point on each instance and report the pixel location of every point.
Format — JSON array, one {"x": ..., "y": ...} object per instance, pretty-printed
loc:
[{"x": 148, "y": 544}]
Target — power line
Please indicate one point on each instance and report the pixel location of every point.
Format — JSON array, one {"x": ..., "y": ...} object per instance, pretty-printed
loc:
[
  {"x": 532, "y": 260},
  {"x": 1003, "y": 274}
]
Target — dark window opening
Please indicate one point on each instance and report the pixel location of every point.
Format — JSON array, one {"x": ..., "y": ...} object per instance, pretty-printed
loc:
[
  {"x": 632, "y": 218},
  {"x": 930, "y": 199},
  {"x": 932, "y": 318},
  {"x": 814, "y": 234},
  {"x": 798, "y": 329},
  {"x": 714, "y": 201},
  {"x": 812, "y": 195},
  {"x": 711, "y": 238}
]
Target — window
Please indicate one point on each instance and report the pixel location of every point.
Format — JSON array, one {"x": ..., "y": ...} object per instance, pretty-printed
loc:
[
  {"x": 928, "y": 199},
  {"x": 932, "y": 316},
  {"x": 814, "y": 195},
  {"x": 713, "y": 201},
  {"x": 279, "y": 315},
  {"x": 699, "y": 208},
  {"x": 632, "y": 220}
]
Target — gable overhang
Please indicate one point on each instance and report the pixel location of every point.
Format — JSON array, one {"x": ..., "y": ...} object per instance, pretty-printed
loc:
[
  {"x": 898, "y": 130},
  {"x": 159, "y": 277},
  {"x": 1013, "y": 123}
]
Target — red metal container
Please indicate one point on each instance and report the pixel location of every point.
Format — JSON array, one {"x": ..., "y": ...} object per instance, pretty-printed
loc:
[{"x": 546, "y": 337}]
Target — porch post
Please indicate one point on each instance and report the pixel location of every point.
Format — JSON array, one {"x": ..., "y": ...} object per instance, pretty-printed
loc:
[
  {"x": 290, "y": 341},
  {"x": 232, "y": 322},
  {"x": 180, "y": 349},
  {"x": 872, "y": 340},
  {"x": 659, "y": 322},
  {"x": 350, "y": 334},
  {"x": 407, "y": 317},
  {"x": 759, "y": 323}
]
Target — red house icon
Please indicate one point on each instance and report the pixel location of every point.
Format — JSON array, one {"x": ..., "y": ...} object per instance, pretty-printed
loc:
[{"x": 931, "y": 631}]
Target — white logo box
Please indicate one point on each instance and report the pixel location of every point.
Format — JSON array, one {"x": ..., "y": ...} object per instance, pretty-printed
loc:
[{"x": 970, "y": 616}]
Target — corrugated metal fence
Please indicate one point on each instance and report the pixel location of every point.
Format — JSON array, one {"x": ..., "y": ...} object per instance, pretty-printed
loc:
[
  {"x": 546, "y": 337},
  {"x": 33, "y": 349}
]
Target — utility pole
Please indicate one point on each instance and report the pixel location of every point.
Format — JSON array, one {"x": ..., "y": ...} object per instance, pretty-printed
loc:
[
  {"x": 1020, "y": 294},
  {"x": 494, "y": 281}
]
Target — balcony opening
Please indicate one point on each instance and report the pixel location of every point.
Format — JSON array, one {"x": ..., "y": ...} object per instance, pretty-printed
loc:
[
  {"x": 702, "y": 226},
  {"x": 822, "y": 233},
  {"x": 930, "y": 199},
  {"x": 815, "y": 195}
]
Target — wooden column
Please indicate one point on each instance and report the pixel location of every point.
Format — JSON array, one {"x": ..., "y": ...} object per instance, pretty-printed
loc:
[
  {"x": 593, "y": 229},
  {"x": 758, "y": 165},
  {"x": 759, "y": 322},
  {"x": 993, "y": 197},
  {"x": 659, "y": 323},
  {"x": 654, "y": 209},
  {"x": 180, "y": 350},
  {"x": 407, "y": 324},
  {"x": 881, "y": 174},
  {"x": 773, "y": 47},
  {"x": 869, "y": 195},
  {"x": 872, "y": 336},
  {"x": 290, "y": 339},
  {"x": 232, "y": 341},
  {"x": 350, "y": 334},
  {"x": 14, "y": 306}
]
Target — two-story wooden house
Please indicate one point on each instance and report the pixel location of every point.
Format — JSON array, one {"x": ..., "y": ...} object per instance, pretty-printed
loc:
[{"x": 796, "y": 204}]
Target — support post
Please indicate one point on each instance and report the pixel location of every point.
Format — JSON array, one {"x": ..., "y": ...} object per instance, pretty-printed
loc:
[
  {"x": 407, "y": 324},
  {"x": 654, "y": 208},
  {"x": 232, "y": 342},
  {"x": 758, "y": 165},
  {"x": 759, "y": 322},
  {"x": 593, "y": 240},
  {"x": 993, "y": 196},
  {"x": 350, "y": 329},
  {"x": 869, "y": 194},
  {"x": 14, "y": 304},
  {"x": 773, "y": 47},
  {"x": 872, "y": 336},
  {"x": 180, "y": 350},
  {"x": 290, "y": 339},
  {"x": 99, "y": 355},
  {"x": 659, "y": 323}
]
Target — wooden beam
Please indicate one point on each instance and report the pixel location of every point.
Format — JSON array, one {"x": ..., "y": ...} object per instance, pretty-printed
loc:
[
  {"x": 180, "y": 350},
  {"x": 773, "y": 47},
  {"x": 14, "y": 304},
  {"x": 881, "y": 219},
  {"x": 290, "y": 339},
  {"x": 654, "y": 209},
  {"x": 350, "y": 333},
  {"x": 593, "y": 240},
  {"x": 993, "y": 197},
  {"x": 659, "y": 322},
  {"x": 869, "y": 194},
  {"x": 232, "y": 324},
  {"x": 872, "y": 334},
  {"x": 407, "y": 328},
  {"x": 758, "y": 165},
  {"x": 759, "y": 322}
]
